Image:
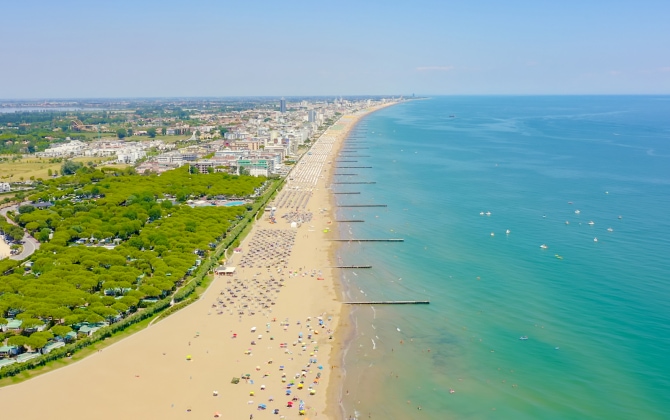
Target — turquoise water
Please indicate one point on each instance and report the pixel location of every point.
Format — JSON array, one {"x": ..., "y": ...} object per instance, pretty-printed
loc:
[
  {"x": 234, "y": 203},
  {"x": 596, "y": 314}
]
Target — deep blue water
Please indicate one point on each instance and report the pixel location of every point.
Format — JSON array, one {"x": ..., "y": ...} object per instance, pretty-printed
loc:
[{"x": 596, "y": 314}]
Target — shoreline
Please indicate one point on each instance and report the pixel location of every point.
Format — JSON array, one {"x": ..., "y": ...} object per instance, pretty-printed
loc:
[{"x": 345, "y": 330}]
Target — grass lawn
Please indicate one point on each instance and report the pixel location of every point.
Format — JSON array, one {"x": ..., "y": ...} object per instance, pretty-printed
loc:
[{"x": 35, "y": 167}]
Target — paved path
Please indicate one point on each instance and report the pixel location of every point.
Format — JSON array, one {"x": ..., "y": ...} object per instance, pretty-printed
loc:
[{"x": 30, "y": 244}]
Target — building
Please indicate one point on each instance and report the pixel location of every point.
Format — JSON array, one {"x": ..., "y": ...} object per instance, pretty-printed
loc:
[
  {"x": 5, "y": 187},
  {"x": 311, "y": 116},
  {"x": 282, "y": 105}
]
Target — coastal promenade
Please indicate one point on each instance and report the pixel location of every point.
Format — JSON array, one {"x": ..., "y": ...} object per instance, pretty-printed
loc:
[{"x": 274, "y": 328}]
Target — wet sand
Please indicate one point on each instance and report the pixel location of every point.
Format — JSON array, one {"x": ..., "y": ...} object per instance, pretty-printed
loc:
[{"x": 276, "y": 319}]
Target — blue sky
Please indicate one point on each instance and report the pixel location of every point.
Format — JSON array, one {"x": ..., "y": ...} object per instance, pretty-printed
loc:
[{"x": 147, "y": 48}]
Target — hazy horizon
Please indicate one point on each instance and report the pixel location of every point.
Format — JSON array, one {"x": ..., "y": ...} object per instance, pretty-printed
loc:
[{"x": 169, "y": 49}]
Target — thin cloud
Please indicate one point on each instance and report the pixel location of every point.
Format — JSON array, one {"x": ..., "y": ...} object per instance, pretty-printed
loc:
[{"x": 435, "y": 68}]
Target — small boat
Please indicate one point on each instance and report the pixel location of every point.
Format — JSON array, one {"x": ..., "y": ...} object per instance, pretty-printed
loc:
[
  {"x": 577, "y": 211},
  {"x": 523, "y": 337},
  {"x": 567, "y": 223},
  {"x": 619, "y": 217},
  {"x": 543, "y": 246},
  {"x": 493, "y": 234},
  {"x": 558, "y": 257},
  {"x": 595, "y": 239},
  {"x": 610, "y": 229},
  {"x": 488, "y": 213},
  {"x": 508, "y": 231},
  {"x": 481, "y": 213},
  {"x": 451, "y": 391},
  {"x": 591, "y": 222}
]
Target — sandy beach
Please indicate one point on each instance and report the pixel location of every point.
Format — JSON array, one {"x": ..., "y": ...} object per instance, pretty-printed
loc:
[
  {"x": 274, "y": 324},
  {"x": 5, "y": 250}
]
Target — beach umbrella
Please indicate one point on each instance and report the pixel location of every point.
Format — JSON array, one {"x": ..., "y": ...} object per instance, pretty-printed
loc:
[
  {"x": 217, "y": 414},
  {"x": 188, "y": 357}
]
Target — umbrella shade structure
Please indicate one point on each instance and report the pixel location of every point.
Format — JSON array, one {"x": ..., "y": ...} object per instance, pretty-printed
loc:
[
  {"x": 188, "y": 357},
  {"x": 262, "y": 406}
]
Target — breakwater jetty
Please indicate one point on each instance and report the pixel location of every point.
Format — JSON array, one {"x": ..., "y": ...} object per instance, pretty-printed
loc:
[
  {"x": 369, "y": 240},
  {"x": 359, "y": 182},
  {"x": 362, "y": 205},
  {"x": 351, "y": 266},
  {"x": 389, "y": 302}
]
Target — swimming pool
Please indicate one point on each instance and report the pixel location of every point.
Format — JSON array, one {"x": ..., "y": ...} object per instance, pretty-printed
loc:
[{"x": 234, "y": 203}]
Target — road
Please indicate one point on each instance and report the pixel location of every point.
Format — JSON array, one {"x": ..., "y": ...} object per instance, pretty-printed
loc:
[{"x": 30, "y": 244}]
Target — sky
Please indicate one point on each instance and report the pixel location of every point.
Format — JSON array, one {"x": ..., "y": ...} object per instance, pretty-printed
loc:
[{"x": 166, "y": 48}]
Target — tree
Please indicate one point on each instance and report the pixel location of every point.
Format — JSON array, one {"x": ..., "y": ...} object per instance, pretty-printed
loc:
[
  {"x": 14, "y": 232},
  {"x": 121, "y": 133},
  {"x": 26, "y": 209},
  {"x": 163, "y": 131},
  {"x": 60, "y": 330},
  {"x": 43, "y": 235},
  {"x": 70, "y": 167},
  {"x": 151, "y": 132},
  {"x": 50, "y": 172}
]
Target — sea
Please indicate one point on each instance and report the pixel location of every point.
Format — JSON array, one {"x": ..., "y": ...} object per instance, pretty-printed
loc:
[{"x": 538, "y": 228}]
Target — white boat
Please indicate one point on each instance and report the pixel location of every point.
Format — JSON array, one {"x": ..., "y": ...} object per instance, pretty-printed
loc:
[
  {"x": 591, "y": 223},
  {"x": 488, "y": 213},
  {"x": 523, "y": 337},
  {"x": 508, "y": 231},
  {"x": 481, "y": 213},
  {"x": 595, "y": 239},
  {"x": 543, "y": 246},
  {"x": 577, "y": 211},
  {"x": 567, "y": 223},
  {"x": 493, "y": 234},
  {"x": 610, "y": 229}
]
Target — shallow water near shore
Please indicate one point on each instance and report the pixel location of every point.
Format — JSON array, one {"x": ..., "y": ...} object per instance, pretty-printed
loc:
[{"x": 594, "y": 312}]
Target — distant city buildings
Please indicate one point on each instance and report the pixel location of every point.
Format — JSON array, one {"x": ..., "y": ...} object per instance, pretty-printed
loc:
[{"x": 255, "y": 141}]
